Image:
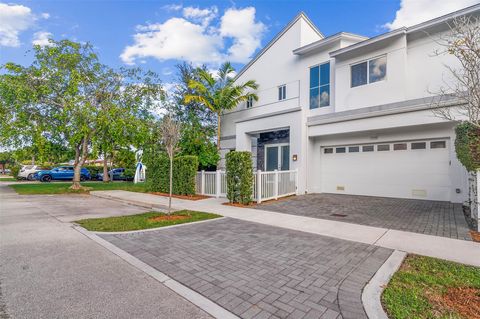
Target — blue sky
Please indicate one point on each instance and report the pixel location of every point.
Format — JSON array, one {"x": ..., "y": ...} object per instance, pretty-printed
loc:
[{"x": 159, "y": 34}]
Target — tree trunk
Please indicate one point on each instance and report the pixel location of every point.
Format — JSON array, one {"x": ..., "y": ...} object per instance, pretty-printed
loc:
[
  {"x": 106, "y": 178},
  {"x": 80, "y": 157},
  {"x": 171, "y": 182},
  {"x": 218, "y": 131},
  {"x": 76, "y": 176}
]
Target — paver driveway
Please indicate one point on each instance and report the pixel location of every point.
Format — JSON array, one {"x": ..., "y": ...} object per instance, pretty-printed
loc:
[
  {"x": 260, "y": 271},
  {"x": 419, "y": 216}
]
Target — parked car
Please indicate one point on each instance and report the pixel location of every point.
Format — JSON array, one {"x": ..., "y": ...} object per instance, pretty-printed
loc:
[
  {"x": 119, "y": 174},
  {"x": 6, "y": 171},
  {"x": 64, "y": 173},
  {"x": 28, "y": 171}
]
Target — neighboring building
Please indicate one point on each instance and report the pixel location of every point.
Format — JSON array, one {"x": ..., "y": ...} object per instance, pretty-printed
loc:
[{"x": 352, "y": 114}]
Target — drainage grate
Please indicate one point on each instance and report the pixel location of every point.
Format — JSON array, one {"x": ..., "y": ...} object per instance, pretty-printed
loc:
[{"x": 339, "y": 215}]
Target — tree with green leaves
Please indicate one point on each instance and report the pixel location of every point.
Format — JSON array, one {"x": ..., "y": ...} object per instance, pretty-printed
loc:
[
  {"x": 220, "y": 93},
  {"x": 6, "y": 158},
  {"x": 198, "y": 123},
  {"x": 126, "y": 99},
  {"x": 56, "y": 95},
  {"x": 65, "y": 96}
]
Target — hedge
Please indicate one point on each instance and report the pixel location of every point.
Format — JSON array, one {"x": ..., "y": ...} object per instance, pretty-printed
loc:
[
  {"x": 239, "y": 177},
  {"x": 184, "y": 172},
  {"x": 467, "y": 145}
]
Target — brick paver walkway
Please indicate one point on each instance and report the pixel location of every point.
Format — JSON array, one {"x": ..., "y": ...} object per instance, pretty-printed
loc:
[
  {"x": 419, "y": 216},
  {"x": 260, "y": 271}
]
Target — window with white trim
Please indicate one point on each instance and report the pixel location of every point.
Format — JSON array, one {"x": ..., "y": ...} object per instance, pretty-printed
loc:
[
  {"x": 249, "y": 102},
  {"x": 282, "y": 92},
  {"x": 370, "y": 71},
  {"x": 320, "y": 85}
]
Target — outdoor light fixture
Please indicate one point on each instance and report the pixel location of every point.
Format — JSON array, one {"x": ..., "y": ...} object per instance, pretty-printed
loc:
[{"x": 294, "y": 157}]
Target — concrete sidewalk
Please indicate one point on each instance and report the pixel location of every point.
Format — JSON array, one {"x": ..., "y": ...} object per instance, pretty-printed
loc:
[{"x": 433, "y": 246}]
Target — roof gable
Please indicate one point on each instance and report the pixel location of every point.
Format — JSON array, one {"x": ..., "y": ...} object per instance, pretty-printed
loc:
[{"x": 298, "y": 17}]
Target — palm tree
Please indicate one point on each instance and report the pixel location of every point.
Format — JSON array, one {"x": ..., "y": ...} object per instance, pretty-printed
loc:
[{"x": 220, "y": 93}]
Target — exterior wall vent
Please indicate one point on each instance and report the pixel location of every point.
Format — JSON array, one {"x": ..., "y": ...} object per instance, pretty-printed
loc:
[
  {"x": 419, "y": 193},
  {"x": 340, "y": 188}
]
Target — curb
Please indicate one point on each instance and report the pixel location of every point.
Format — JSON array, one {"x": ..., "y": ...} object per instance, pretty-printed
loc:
[
  {"x": 190, "y": 295},
  {"x": 159, "y": 208},
  {"x": 373, "y": 290},
  {"x": 151, "y": 229}
]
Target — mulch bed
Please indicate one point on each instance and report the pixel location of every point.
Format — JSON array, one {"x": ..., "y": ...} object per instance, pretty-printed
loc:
[
  {"x": 463, "y": 300},
  {"x": 475, "y": 236},
  {"x": 188, "y": 197},
  {"x": 240, "y": 205},
  {"x": 167, "y": 218}
]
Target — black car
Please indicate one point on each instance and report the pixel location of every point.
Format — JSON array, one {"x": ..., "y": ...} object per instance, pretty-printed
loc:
[{"x": 118, "y": 175}]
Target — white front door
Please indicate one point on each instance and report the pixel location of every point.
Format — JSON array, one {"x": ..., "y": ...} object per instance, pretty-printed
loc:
[
  {"x": 410, "y": 169},
  {"x": 277, "y": 157}
]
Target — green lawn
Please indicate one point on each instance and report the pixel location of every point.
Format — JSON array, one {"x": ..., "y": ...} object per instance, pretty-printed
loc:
[
  {"x": 62, "y": 188},
  {"x": 7, "y": 179},
  {"x": 430, "y": 288},
  {"x": 142, "y": 221}
]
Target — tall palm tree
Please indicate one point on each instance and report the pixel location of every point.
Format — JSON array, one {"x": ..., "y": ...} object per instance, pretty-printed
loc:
[{"x": 220, "y": 93}]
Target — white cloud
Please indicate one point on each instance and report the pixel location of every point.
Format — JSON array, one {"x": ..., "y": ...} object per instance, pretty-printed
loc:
[
  {"x": 246, "y": 33},
  {"x": 172, "y": 7},
  {"x": 199, "y": 36},
  {"x": 412, "y": 12},
  {"x": 15, "y": 19},
  {"x": 41, "y": 38},
  {"x": 205, "y": 16},
  {"x": 177, "y": 38}
]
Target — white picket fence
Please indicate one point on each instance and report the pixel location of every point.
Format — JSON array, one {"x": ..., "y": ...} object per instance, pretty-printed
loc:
[
  {"x": 474, "y": 188},
  {"x": 266, "y": 185}
]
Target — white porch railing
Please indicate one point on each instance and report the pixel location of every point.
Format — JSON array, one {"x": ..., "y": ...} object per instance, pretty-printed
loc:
[
  {"x": 474, "y": 198},
  {"x": 266, "y": 185}
]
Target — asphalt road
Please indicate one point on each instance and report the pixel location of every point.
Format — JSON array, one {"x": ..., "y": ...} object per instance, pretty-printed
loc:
[{"x": 49, "y": 270}]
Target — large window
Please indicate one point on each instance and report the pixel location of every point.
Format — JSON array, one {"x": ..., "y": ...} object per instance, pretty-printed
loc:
[
  {"x": 370, "y": 71},
  {"x": 320, "y": 85}
]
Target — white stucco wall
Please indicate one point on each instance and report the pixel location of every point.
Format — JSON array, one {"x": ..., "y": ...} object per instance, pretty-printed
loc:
[{"x": 412, "y": 72}]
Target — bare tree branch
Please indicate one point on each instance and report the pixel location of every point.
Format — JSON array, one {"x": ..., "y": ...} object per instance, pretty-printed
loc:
[{"x": 462, "y": 41}]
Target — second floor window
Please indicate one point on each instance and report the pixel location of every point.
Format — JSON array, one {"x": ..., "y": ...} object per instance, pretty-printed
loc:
[
  {"x": 282, "y": 92},
  {"x": 320, "y": 85},
  {"x": 370, "y": 71},
  {"x": 249, "y": 102}
]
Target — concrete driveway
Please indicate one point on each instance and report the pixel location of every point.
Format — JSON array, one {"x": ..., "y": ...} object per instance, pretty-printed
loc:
[
  {"x": 49, "y": 270},
  {"x": 420, "y": 216}
]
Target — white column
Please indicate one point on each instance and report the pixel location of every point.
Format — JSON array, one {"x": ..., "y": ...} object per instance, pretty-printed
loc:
[
  {"x": 202, "y": 183},
  {"x": 259, "y": 186},
  {"x": 217, "y": 183},
  {"x": 275, "y": 185}
]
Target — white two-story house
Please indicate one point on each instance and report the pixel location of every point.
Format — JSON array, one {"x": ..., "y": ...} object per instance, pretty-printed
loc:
[{"x": 352, "y": 114}]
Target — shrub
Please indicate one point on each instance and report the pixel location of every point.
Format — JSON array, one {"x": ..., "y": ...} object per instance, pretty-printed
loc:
[
  {"x": 15, "y": 169},
  {"x": 239, "y": 177},
  {"x": 94, "y": 170},
  {"x": 184, "y": 172},
  {"x": 129, "y": 173},
  {"x": 467, "y": 145}
]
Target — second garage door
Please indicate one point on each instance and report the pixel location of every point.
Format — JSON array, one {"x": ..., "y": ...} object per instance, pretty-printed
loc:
[{"x": 410, "y": 169}]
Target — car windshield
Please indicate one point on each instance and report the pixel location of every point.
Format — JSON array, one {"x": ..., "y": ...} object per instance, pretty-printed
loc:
[{"x": 28, "y": 167}]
